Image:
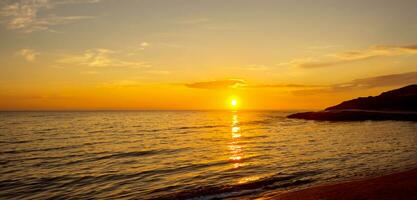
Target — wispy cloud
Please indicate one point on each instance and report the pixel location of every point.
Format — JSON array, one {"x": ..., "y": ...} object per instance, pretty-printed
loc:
[
  {"x": 28, "y": 54},
  {"x": 353, "y": 56},
  {"x": 144, "y": 45},
  {"x": 25, "y": 15},
  {"x": 122, "y": 84},
  {"x": 218, "y": 84},
  {"x": 380, "y": 81},
  {"x": 365, "y": 83},
  {"x": 100, "y": 58},
  {"x": 307, "y": 89},
  {"x": 309, "y": 63},
  {"x": 291, "y": 86},
  {"x": 323, "y": 47},
  {"x": 239, "y": 83}
]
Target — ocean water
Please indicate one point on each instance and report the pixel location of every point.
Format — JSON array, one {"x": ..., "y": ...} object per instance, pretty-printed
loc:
[{"x": 190, "y": 154}]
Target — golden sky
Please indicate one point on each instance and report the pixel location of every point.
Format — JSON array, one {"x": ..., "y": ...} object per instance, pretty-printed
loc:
[{"x": 199, "y": 54}]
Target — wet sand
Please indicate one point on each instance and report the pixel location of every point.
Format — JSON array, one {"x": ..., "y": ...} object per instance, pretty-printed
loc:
[{"x": 401, "y": 185}]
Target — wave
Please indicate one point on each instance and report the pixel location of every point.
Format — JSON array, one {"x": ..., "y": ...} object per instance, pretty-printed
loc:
[
  {"x": 30, "y": 186},
  {"x": 257, "y": 122},
  {"x": 224, "y": 191},
  {"x": 184, "y": 128},
  {"x": 199, "y": 127},
  {"x": 119, "y": 155},
  {"x": 33, "y": 186},
  {"x": 15, "y": 142},
  {"x": 50, "y": 149}
]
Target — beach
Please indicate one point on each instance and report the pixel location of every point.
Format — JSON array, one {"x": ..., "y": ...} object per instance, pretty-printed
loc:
[{"x": 401, "y": 185}]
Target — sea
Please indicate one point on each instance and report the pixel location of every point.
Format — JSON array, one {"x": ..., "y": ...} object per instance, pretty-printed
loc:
[{"x": 190, "y": 154}]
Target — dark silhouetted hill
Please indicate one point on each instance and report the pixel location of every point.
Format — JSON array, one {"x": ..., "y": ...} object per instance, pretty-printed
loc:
[
  {"x": 403, "y": 99},
  {"x": 399, "y": 104}
]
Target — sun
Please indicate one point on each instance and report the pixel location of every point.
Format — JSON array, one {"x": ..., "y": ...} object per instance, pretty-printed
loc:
[{"x": 233, "y": 103}]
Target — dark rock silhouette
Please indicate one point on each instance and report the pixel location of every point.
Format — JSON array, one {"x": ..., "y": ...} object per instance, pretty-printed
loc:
[
  {"x": 404, "y": 99},
  {"x": 399, "y": 104}
]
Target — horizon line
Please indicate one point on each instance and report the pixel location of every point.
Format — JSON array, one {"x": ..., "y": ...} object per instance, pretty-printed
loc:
[{"x": 141, "y": 110}]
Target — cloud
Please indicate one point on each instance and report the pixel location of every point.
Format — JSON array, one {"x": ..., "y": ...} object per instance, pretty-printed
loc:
[
  {"x": 294, "y": 86},
  {"x": 122, "y": 84},
  {"x": 376, "y": 51},
  {"x": 239, "y": 83},
  {"x": 218, "y": 84},
  {"x": 381, "y": 81},
  {"x": 353, "y": 56},
  {"x": 32, "y": 15},
  {"x": 389, "y": 80},
  {"x": 28, "y": 54},
  {"x": 100, "y": 58},
  {"x": 323, "y": 47},
  {"x": 144, "y": 44},
  {"x": 309, "y": 63}
]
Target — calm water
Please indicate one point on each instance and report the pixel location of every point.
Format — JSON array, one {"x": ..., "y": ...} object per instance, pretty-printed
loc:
[{"x": 189, "y": 154}]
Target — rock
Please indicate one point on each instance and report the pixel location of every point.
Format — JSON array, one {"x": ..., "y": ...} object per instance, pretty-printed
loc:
[{"x": 399, "y": 104}]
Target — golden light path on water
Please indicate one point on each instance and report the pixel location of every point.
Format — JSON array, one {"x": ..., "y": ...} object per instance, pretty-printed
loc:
[
  {"x": 235, "y": 147},
  {"x": 237, "y": 154}
]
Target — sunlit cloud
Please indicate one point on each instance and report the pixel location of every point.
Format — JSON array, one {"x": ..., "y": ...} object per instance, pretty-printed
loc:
[
  {"x": 378, "y": 50},
  {"x": 323, "y": 47},
  {"x": 239, "y": 83},
  {"x": 144, "y": 45},
  {"x": 309, "y": 63},
  {"x": 381, "y": 81},
  {"x": 365, "y": 83},
  {"x": 218, "y": 84},
  {"x": 122, "y": 84},
  {"x": 35, "y": 15},
  {"x": 100, "y": 58},
  {"x": 289, "y": 86},
  {"x": 310, "y": 89},
  {"x": 352, "y": 56},
  {"x": 28, "y": 54}
]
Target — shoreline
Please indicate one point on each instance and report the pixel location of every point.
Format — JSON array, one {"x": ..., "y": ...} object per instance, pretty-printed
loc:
[
  {"x": 400, "y": 185},
  {"x": 355, "y": 115}
]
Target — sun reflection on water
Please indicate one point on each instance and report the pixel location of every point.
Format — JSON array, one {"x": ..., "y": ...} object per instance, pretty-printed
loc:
[{"x": 236, "y": 149}]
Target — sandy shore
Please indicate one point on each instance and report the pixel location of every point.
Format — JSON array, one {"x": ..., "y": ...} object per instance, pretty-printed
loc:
[{"x": 401, "y": 185}]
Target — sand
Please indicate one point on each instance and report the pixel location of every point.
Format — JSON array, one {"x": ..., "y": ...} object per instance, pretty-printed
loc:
[{"x": 401, "y": 185}]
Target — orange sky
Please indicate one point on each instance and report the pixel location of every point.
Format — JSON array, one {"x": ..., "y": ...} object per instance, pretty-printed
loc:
[{"x": 183, "y": 54}]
